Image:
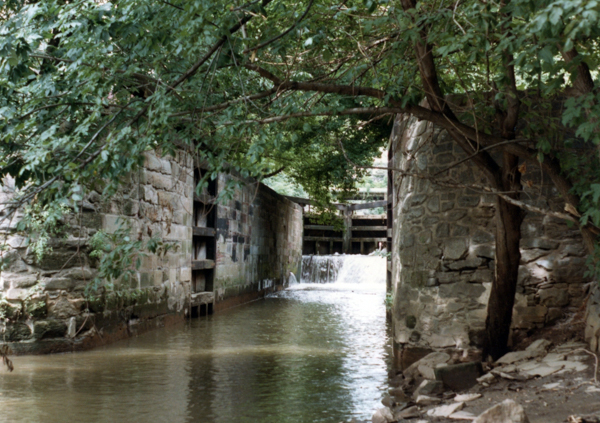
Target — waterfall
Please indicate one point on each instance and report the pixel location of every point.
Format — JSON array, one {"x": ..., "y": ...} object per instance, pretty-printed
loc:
[
  {"x": 350, "y": 269},
  {"x": 292, "y": 280}
]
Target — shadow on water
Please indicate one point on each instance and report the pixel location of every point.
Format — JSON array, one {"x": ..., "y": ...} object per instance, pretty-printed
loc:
[{"x": 312, "y": 353}]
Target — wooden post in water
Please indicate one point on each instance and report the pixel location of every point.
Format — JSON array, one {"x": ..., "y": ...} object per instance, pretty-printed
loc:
[{"x": 347, "y": 240}]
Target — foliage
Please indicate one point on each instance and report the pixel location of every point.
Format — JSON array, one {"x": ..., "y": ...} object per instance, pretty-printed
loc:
[
  {"x": 326, "y": 216},
  {"x": 389, "y": 301},
  {"x": 86, "y": 87},
  {"x": 42, "y": 223},
  {"x": 284, "y": 185},
  {"x": 32, "y": 305},
  {"x": 120, "y": 256}
]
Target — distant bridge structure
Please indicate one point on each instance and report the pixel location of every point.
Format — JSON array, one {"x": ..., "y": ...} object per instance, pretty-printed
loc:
[{"x": 360, "y": 234}]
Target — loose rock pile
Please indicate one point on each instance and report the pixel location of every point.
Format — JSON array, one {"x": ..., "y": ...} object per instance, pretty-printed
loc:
[{"x": 436, "y": 389}]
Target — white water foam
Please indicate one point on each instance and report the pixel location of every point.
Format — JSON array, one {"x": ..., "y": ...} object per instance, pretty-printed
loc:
[{"x": 344, "y": 269}]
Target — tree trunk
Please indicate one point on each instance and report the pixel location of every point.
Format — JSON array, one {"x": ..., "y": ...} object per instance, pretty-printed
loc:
[
  {"x": 508, "y": 235},
  {"x": 502, "y": 297}
]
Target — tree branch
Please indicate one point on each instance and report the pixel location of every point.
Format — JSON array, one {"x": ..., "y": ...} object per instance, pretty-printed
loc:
[
  {"x": 584, "y": 83},
  {"x": 276, "y": 172},
  {"x": 283, "y": 34}
]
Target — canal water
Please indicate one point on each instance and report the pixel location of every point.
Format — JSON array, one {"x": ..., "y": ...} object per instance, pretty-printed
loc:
[{"x": 316, "y": 352}]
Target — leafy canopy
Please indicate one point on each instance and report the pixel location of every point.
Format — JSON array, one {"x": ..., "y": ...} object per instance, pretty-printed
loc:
[{"x": 86, "y": 87}]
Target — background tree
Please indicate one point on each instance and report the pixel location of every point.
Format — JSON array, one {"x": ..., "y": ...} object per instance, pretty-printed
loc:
[{"x": 87, "y": 87}]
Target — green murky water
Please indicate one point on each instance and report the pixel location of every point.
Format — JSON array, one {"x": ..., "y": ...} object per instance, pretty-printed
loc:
[{"x": 313, "y": 353}]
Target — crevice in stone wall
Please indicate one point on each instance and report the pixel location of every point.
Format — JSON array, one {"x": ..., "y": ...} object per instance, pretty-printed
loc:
[{"x": 203, "y": 247}]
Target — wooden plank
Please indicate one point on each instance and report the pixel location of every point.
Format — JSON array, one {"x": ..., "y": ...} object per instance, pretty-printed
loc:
[
  {"x": 202, "y": 264},
  {"x": 320, "y": 227},
  {"x": 322, "y": 238},
  {"x": 369, "y": 228},
  {"x": 374, "y": 197},
  {"x": 327, "y": 238},
  {"x": 200, "y": 231},
  {"x": 369, "y": 239},
  {"x": 369, "y": 217}
]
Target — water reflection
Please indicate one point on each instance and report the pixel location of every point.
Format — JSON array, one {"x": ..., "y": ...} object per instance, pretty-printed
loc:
[{"x": 313, "y": 353}]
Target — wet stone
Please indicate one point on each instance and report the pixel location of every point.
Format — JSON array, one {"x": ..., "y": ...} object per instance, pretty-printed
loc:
[
  {"x": 540, "y": 243},
  {"x": 447, "y": 206},
  {"x": 486, "y": 251},
  {"x": 383, "y": 415},
  {"x": 408, "y": 413},
  {"x": 469, "y": 263},
  {"x": 554, "y": 297},
  {"x": 468, "y": 201},
  {"x": 430, "y": 221},
  {"x": 49, "y": 329},
  {"x": 455, "y": 215},
  {"x": 25, "y": 281},
  {"x": 418, "y": 199},
  {"x": 431, "y": 282},
  {"x": 459, "y": 377},
  {"x": 455, "y": 249},
  {"x": 482, "y": 237},
  {"x": 17, "y": 331},
  {"x": 429, "y": 388},
  {"x": 442, "y": 230},
  {"x": 414, "y": 337},
  {"x": 507, "y": 411},
  {"x": 433, "y": 205},
  {"x": 458, "y": 230}
]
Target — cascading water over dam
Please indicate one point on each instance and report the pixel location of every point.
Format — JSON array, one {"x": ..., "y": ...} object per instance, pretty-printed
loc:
[{"x": 358, "y": 269}]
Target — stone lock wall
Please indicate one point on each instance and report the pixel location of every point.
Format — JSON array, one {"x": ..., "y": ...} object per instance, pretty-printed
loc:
[
  {"x": 44, "y": 306},
  {"x": 45, "y": 300},
  {"x": 443, "y": 255},
  {"x": 259, "y": 243}
]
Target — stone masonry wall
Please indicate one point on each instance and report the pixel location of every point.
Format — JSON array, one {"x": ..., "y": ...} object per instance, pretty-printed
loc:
[
  {"x": 259, "y": 242},
  {"x": 443, "y": 255},
  {"x": 44, "y": 300},
  {"x": 44, "y": 306}
]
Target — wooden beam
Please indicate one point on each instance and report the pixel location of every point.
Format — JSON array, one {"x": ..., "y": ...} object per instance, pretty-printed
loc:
[
  {"x": 369, "y": 239},
  {"x": 351, "y": 207},
  {"x": 307, "y": 202},
  {"x": 365, "y": 206},
  {"x": 369, "y": 228},
  {"x": 321, "y": 227},
  {"x": 200, "y": 231},
  {"x": 369, "y": 217},
  {"x": 322, "y": 238},
  {"x": 328, "y": 238},
  {"x": 202, "y": 264}
]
